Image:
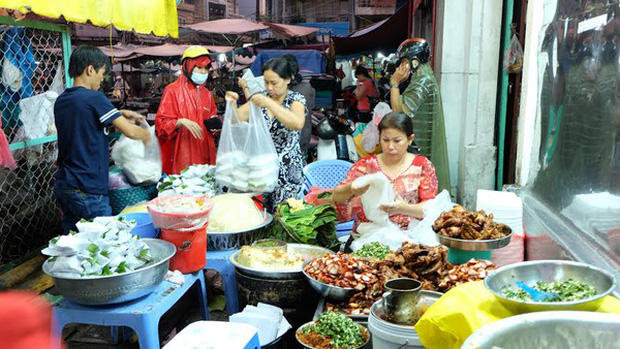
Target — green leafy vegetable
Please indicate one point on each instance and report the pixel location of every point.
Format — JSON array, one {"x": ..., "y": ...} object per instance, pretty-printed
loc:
[
  {"x": 314, "y": 225},
  {"x": 373, "y": 249},
  {"x": 569, "y": 290},
  {"x": 342, "y": 330},
  {"x": 122, "y": 268}
]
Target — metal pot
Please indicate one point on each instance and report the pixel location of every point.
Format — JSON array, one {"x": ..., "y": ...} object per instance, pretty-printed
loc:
[
  {"x": 118, "y": 288},
  {"x": 233, "y": 240}
]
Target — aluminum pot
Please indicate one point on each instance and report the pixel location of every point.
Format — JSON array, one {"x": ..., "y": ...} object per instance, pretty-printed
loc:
[
  {"x": 118, "y": 288},
  {"x": 233, "y": 240}
]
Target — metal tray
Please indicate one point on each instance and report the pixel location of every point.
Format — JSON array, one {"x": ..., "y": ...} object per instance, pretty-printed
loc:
[
  {"x": 308, "y": 251},
  {"x": 474, "y": 245},
  {"x": 233, "y": 240}
]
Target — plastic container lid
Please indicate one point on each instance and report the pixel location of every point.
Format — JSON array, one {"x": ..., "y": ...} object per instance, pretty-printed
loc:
[{"x": 213, "y": 335}]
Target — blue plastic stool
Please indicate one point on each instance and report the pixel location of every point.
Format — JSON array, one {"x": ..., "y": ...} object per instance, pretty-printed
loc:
[
  {"x": 218, "y": 260},
  {"x": 142, "y": 314},
  {"x": 326, "y": 174}
]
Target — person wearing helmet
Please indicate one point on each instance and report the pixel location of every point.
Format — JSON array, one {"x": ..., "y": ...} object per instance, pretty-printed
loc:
[
  {"x": 421, "y": 100},
  {"x": 185, "y": 105}
]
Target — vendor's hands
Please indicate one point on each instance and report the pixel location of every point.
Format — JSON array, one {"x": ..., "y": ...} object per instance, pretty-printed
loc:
[
  {"x": 134, "y": 117},
  {"x": 260, "y": 100},
  {"x": 401, "y": 74},
  {"x": 193, "y": 127},
  {"x": 397, "y": 207},
  {"x": 355, "y": 191},
  {"x": 242, "y": 83},
  {"x": 231, "y": 96}
]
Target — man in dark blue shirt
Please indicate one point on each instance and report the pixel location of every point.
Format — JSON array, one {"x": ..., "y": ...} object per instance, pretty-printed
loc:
[{"x": 83, "y": 115}]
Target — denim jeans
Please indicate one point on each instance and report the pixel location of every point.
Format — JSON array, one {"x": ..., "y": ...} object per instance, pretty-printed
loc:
[{"x": 76, "y": 205}]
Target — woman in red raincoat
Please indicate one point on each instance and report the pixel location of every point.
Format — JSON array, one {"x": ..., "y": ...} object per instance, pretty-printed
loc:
[{"x": 185, "y": 105}]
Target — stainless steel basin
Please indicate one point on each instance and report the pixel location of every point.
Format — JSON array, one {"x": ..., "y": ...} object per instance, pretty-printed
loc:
[{"x": 549, "y": 330}]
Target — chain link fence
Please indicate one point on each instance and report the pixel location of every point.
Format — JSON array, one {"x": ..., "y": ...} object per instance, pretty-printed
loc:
[{"x": 31, "y": 62}]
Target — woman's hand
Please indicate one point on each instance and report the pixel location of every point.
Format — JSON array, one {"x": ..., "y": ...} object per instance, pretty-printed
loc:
[
  {"x": 401, "y": 74},
  {"x": 260, "y": 100},
  {"x": 242, "y": 83},
  {"x": 355, "y": 191},
  {"x": 399, "y": 206},
  {"x": 193, "y": 127},
  {"x": 231, "y": 96}
]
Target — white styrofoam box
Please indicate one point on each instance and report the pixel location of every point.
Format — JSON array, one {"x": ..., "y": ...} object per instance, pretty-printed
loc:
[
  {"x": 267, "y": 327},
  {"x": 212, "y": 335}
]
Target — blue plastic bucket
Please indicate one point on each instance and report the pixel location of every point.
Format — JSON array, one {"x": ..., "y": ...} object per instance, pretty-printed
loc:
[{"x": 144, "y": 227}]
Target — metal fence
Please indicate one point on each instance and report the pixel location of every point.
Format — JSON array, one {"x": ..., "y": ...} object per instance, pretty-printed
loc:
[{"x": 32, "y": 65}]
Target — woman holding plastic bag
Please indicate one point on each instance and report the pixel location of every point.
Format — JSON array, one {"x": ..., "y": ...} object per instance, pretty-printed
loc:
[
  {"x": 185, "y": 105},
  {"x": 284, "y": 112},
  {"x": 412, "y": 177}
]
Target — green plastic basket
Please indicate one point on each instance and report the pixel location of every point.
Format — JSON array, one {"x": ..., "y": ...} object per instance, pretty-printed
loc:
[{"x": 121, "y": 198}]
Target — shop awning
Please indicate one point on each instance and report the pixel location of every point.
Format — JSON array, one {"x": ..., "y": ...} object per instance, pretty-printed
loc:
[
  {"x": 234, "y": 26},
  {"x": 143, "y": 16},
  {"x": 384, "y": 36},
  {"x": 125, "y": 52},
  {"x": 293, "y": 31}
]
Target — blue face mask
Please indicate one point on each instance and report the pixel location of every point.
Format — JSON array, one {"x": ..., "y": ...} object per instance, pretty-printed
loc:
[{"x": 199, "y": 78}]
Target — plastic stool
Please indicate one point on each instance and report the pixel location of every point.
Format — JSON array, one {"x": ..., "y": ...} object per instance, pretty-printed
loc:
[
  {"x": 218, "y": 260},
  {"x": 142, "y": 314},
  {"x": 216, "y": 335}
]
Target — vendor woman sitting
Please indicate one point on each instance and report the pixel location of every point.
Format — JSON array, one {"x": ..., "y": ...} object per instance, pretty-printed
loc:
[{"x": 412, "y": 176}]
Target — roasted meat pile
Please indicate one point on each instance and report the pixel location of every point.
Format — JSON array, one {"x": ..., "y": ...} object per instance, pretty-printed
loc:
[
  {"x": 460, "y": 223},
  {"x": 473, "y": 270},
  {"x": 342, "y": 270},
  {"x": 429, "y": 265}
]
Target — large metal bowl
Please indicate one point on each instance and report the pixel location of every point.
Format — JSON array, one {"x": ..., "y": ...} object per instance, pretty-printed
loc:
[
  {"x": 549, "y": 271},
  {"x": 334, "y": 294},
  {"x": 364, "y": 330},
  {"x": 476, "y": 245},
  {"x": 233, "y": 240},
  {"x": 549, "y": 330},
  {"x": 118, "y": 288},
  {"x": 307, "y": 251}
]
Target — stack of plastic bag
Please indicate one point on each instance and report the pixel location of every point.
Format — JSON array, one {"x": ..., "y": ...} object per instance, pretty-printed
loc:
[
  {"x": 268, "y": 319},
  {"x": 507, "y": 208},
  {"x": 421, "y": 232},
  {"x": 247, "y": 160},
  {"x": 380, "y": 228},
  {"x": 104, "y": 246},
  {"x": 141, "y": 165}
]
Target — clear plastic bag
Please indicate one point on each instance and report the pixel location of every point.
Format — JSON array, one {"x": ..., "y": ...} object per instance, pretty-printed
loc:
[
  {"x": 141, "y": 164},
  {"x": 513, "y": 57},
  {"x": 370, "y": 137},
  {"x": 247, "y": 160}
]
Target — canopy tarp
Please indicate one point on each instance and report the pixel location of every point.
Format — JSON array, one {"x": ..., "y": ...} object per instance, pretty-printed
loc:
[
  {"x": 383, "y": 36},
  {"x": 235, "y": 26},
  {"x": 160, "y": 17},
  {"x": 125, "y": 52},
  {"x": 293, "y": 31},
  {"x": 309, "y": 60}
]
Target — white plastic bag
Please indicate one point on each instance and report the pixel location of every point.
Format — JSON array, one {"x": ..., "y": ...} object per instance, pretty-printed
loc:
[
  {"x": 421, "y": 232},
  {"x": 370, "y": 137},
  {"x": 380, "y": 228},
  {"x": 247, "y": 160},
  {"x": 255, "y": 84},
  {"x": 141, "y": 165}
]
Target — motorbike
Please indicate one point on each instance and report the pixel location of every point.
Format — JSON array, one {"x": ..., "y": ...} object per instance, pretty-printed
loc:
[{"x": 335, "y": 134}]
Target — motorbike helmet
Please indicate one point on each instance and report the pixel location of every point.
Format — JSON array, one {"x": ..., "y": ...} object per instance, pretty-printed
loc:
[{"x": 415, "y": 50}]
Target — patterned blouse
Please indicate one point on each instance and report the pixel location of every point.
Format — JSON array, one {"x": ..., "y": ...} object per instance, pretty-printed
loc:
[
  {"x": 286, "y": 142},
  {"x": 416, "y": 184}
]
